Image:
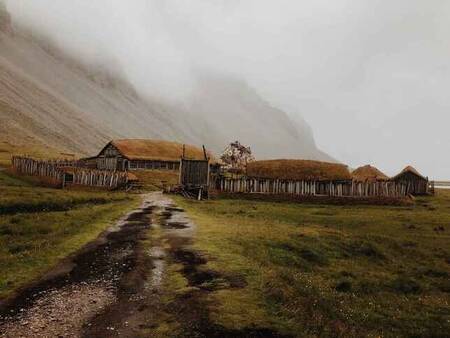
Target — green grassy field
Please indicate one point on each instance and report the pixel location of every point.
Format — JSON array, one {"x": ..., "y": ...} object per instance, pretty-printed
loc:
[
  {"x": 39, "y": 226},
  {"x": 329, "y": 270}
]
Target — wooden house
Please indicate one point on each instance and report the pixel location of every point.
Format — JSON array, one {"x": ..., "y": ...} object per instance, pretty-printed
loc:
[
  {"x": 321, "y": 173},
  {"x": 304, "y": 170},
  {"x": 368, "y": 173},
  {"x": 416, "y": 183},
  {"x": 142, "y": 154}
]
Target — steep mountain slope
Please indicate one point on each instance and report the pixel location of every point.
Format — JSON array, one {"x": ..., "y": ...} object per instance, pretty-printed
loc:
[
  {"x": 48, "y": 98},
  {"x": 230, "y": 107}
]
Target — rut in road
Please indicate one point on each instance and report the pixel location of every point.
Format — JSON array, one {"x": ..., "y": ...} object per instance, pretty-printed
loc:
[
  {"x": 114, "y": 286},
  {"x": 111, "y": 272}
]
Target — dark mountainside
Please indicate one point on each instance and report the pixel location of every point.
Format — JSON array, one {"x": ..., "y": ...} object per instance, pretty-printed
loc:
[{"x": 49, "y": 99}]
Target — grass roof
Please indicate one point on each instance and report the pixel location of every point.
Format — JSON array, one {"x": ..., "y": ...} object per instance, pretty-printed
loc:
[
  {"x": 298, "y": 170},
  {"x": 158, "y": 150},
  {"x": 411, "y": 170},
  {"x": 368, "y": 173}
]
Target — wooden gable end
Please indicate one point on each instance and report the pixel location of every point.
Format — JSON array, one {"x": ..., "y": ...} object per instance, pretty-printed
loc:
[
  {"x": 110, "y": 151},
  {"x": 409, "y": 176}
]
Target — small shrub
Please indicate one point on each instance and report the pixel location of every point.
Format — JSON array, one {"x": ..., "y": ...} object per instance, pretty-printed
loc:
[
  {"x": 406, "y": 285},
  {"x": 6, "y": 230},
  {"x": 436, "y": 273},
  {"x": 324, "y": 213},
  {"x": 344, "y": 286},
  {"x": 313, "y": 256},
  {"x": 445, "y": 286},
  {"x": 369, "y": 287},
  {"x": 345, "y": 273},
  {"x": 366, "y": 249},
  {"x": 17, "y": 248}
]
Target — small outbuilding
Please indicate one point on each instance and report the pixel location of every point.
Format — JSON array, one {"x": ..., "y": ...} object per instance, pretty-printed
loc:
[
  {"x": 144, "y": 154},
  {"x": 369, "y": 173},
  {"x": 416, "y": 183}
]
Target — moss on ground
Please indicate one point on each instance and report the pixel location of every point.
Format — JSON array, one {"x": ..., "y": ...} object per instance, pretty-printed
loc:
[
  {"x": 329, "y": 270},
  {"x": 40, "y": 226}
]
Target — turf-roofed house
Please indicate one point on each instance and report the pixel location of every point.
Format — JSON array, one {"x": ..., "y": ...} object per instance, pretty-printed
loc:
[
  {"x": 321, "y": 173},
  {"x": 416, "y": 183},
  {"x": 145, "y": 154},
  {"x": 369, "y": 173}
]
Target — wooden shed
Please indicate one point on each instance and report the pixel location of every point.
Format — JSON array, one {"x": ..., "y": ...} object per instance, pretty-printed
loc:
[
  {"x": 369, "y": 173},
  {"x": 143, "y": 154},
  {"x": 415, "y": 182}
]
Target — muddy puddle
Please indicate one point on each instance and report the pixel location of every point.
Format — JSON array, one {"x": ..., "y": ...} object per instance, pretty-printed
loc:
[{"x": 114, "y": 286}]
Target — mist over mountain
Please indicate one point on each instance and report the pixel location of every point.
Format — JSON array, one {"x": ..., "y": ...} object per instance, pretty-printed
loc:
[{"x": 51, "y": 97}]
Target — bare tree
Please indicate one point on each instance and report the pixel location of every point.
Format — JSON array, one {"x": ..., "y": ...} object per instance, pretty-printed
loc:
[{"x": 236, "y": 156}]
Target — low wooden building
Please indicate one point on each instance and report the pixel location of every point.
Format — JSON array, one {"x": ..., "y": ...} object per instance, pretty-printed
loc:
[
  {"x": 307, "y": 178},
  {"x": 416, "y": 184},
  {"x": 142, "y": 154},
  {"x": 321, "y": 173},
  {"x": 368, "y": 173},
  {"x": 299, "y": 170}
]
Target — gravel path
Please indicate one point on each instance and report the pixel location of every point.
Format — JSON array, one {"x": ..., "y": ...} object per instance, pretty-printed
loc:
[
  {"x": 114, "y": 287},
  {"x": 109, "y": 282}
]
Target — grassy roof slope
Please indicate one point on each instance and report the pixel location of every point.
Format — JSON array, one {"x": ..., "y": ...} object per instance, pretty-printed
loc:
[
  {"x": 298, "y": 170},
  {"x": 368, "y": 173},
  {"x": 142, "y": 149},
  {"x": 409, "y": 169}
]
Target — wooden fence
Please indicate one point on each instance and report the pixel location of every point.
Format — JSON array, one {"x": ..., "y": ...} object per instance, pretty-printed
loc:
[
  {"x": 311, "y": 188},
  {"x": 63, "y": 173}
]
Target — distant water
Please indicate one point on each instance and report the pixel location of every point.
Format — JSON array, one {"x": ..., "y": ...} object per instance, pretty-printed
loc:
[{"x": 437, "y": 186}]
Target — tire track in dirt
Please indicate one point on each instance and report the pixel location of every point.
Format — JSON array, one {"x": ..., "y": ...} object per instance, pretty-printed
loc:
[
  {"x": 62, "y": 301},
  {"x": 114, "y": 286}
]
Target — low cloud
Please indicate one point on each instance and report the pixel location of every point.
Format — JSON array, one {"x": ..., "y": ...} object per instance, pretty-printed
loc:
[{"x": 370, "y": 76}]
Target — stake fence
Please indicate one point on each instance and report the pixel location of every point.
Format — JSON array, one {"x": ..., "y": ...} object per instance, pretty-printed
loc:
[
  {"x": 311, "y": 188},
  {"x": 67, "y": 173}
]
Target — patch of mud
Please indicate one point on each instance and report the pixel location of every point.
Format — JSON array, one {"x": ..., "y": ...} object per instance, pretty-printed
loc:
[
  {"x": 193, "y": 306},
  {"x": 113, "y": 286},
  {"x": 138, "y": 309},
  {"x": 83, "y": 285},
  {"x": 203, "y": 278},
  {"x": 173, "y": 209},
  {"x": 176, "y": 225}
]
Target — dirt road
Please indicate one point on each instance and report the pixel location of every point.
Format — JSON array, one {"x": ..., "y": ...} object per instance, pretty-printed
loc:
[{"x": 114, "y": 286}]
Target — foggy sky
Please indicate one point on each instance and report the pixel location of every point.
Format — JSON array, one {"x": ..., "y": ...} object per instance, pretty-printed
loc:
[{"x": 372, "y": 77}]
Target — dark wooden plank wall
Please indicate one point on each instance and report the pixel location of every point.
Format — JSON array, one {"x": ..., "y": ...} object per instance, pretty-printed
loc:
[
  {"x": 194, "y": 173},
  {"x": 158, "y": 165},
  {"x": 415, "y": 185}
]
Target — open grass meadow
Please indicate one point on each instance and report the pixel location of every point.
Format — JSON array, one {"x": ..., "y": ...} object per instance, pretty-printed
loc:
[
  {"x": 39, "y": 226},
  {"x": 318, "y": 270}
]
